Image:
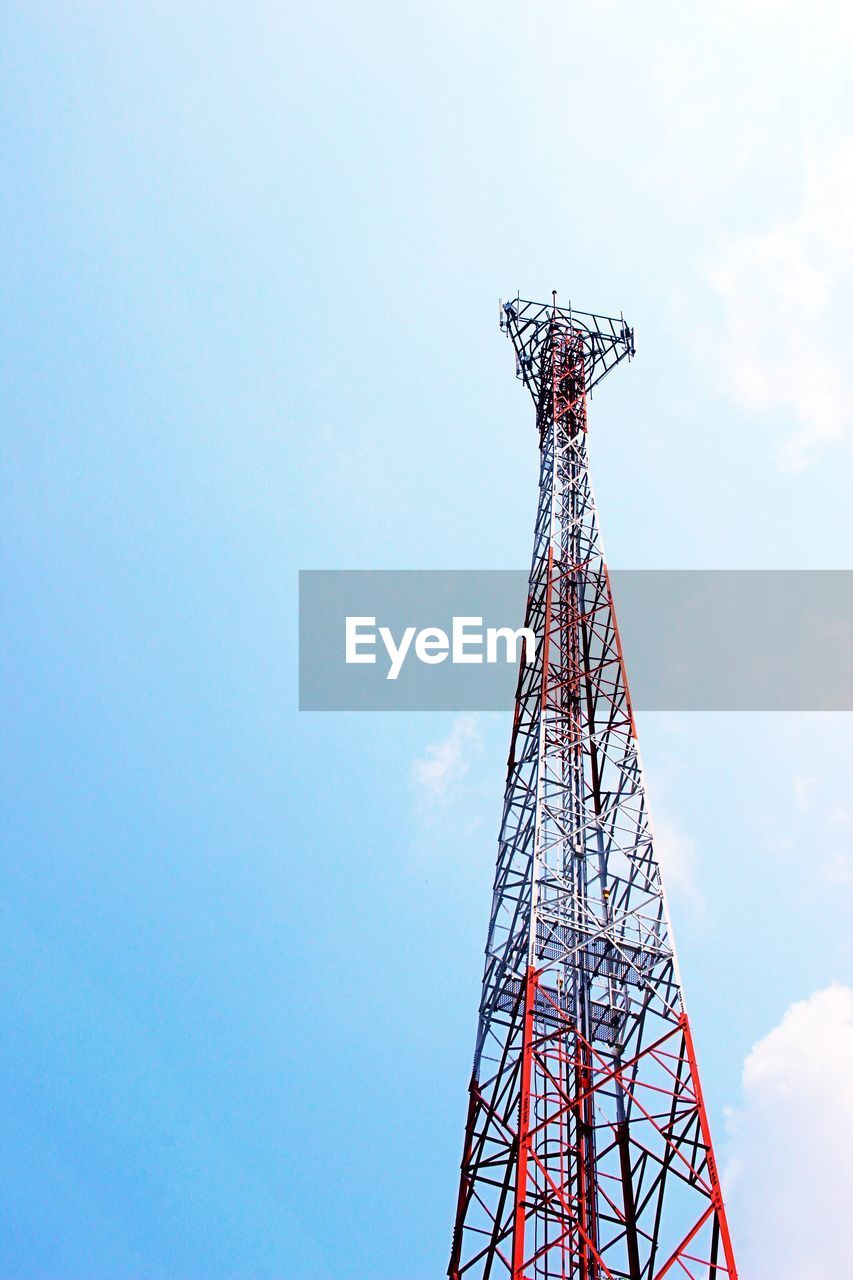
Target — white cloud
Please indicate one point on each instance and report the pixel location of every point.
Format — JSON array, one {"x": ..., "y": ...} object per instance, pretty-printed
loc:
[
  {"x": 785, "y": 345},
  {"x": 439, "y": 771},
  {"x": 675, "y": 850},
  {"x": 804, "y": 787},
  {"x": 788, "y": 1183},
  {"x": 811, "y": 798},
  {"x": 828, "y": 821},
  {"x": 676, "y": 853},
  {"x": 837, "y": 870}
]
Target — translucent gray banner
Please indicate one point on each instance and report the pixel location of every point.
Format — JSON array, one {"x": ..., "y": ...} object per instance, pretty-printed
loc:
[{"x": 718, "y": 640}]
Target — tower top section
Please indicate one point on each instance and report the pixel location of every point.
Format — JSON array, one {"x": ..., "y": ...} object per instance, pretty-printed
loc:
[{"x": 532, "y": 326}]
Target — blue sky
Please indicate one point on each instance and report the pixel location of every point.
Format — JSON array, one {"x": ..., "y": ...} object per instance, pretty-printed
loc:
[{"x": 252, "y": 260}]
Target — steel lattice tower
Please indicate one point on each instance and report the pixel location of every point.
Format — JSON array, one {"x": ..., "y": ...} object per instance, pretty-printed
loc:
[{"x": 587, "y": 1150}]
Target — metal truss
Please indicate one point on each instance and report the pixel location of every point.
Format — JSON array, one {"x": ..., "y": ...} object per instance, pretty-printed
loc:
[
  {"x": 605, "y": 340},
  {"x": 587, "y": 1151}
]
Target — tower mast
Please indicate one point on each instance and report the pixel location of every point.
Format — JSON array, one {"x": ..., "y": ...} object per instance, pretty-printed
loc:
[{"x": 587, "y": 1152}]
